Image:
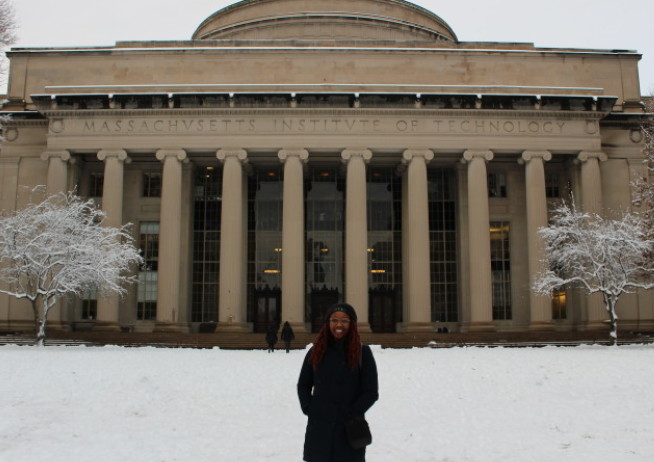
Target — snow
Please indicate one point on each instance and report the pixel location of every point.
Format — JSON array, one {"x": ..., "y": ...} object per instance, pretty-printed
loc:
[{"x": 552, "y": 404}]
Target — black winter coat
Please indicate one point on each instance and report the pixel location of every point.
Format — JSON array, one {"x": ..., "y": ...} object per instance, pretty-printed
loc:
[{"x": 328, "y": 396}]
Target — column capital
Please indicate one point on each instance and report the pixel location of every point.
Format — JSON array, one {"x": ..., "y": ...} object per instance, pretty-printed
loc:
[
  {"x": 471, "y": 154},
  {"x": 180, "y": 154},
  {"x": 119, "y": 154},
  {"x": 409, "y": 154},
  {"x": 301, "y": 154},
  {"x": 63, "y": 155},
  {"x": 239, "y": 154},
  {"x": 587, "y": 155},
  {"x": 529, "y": 155},
  {"x": 365, "y": 154}
]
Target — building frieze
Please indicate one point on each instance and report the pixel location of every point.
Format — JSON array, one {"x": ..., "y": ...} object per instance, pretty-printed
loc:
[{"x": 276, "y": 122}]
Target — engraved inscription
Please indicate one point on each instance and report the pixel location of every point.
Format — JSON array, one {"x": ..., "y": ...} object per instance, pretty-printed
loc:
[{"x": 322, "y": 125}]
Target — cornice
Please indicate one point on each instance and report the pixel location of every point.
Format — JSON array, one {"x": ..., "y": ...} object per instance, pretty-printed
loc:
[
  {"x": 18, "y": 123},
  {"x": 307, "y": 112}
]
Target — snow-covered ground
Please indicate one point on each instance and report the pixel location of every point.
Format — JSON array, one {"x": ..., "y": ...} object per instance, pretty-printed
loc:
[{"x": 112, "y": 404}]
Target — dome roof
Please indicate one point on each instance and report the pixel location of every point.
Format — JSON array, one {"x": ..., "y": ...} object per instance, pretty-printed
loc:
[{"x": 358, "y": 20}]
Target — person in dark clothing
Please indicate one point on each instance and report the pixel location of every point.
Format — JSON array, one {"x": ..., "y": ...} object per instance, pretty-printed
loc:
[
  {"x": 271, "y": 337},
  {"x": 338, "y": 380},
  {"x": 287, "y": 335}
]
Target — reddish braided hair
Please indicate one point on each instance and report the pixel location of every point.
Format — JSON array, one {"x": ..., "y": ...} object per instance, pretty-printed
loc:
[{"x": 352, "y": 345}]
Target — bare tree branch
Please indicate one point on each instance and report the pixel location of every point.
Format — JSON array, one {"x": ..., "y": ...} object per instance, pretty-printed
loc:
[
  {"x": 599, "y": 255},
  {"x": 61, "y": 247}
]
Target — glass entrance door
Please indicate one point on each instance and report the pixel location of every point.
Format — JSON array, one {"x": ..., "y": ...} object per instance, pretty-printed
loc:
[
  {"x": 382, "y": 310},
  {"x": 268, "y": 309},
  {"x": 321, "y": 300}
]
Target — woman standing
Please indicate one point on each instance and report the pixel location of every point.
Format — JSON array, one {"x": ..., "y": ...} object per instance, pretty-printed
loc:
[{"x": 338, "y": 381}]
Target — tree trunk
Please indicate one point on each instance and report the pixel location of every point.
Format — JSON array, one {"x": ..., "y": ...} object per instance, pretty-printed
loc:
[
  {"x": 611, "y": 301},
  {"x": 40, "y": 335},
  {"x": 37, "y": 324},
  {"x": 43, "y": 323}
]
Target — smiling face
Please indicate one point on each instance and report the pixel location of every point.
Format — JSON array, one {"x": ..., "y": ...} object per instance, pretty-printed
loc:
[{"x": 339, "y": 324}]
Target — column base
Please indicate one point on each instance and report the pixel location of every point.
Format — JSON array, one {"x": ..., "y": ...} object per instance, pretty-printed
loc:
[
  {"x": 106, "y": 326},
  {"x": 364, "y": 327},
  {"x": 174, "y": 327},
  {"x": 541, "y": 326},
  {"x": 18, "y": 326},
  {"x": 417, "y": 327},
  {"x": 479, "y": 327},
  {"x": 594, "y": 325},
  {"x": 298, "y": 327},
  {"x": 59, "y": 325},
  {"x": 230, "y": 327}
]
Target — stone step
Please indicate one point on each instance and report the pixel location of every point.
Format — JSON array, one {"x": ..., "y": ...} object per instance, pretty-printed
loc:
[{"x": 257, "y": 341}]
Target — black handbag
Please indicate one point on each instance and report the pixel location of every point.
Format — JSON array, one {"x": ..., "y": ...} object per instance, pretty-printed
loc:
[{"x": 358, "y": 432}]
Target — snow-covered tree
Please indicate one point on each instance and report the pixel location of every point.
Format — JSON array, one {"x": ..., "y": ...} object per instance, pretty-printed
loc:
[
  {"x": 7, "y": 30},
  {"x": 600, "y": 255},
  {"x": 644, "y": 187},
  {"x": 60, "y": 247}
]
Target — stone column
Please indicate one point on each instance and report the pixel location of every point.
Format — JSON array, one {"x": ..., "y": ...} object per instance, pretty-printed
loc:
[
  {"x": 540, "y": 305},
  {"x": 293, "y": 239},
  {"x": 112, "y": 205},
  {"x": 356, "y": 234},
  {"x": 417, "y": 259},
  {"x": 170, "y": 243},
  {"x": 591, "y": 201},
  {"x": 232, "y": 307},
  {"x": 481, "y": 295},
  {"x": 57, "y": 181},
  {"x": 591, "y": 181}
]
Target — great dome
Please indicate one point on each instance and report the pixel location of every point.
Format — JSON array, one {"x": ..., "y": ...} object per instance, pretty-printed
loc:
[{"x": 346, "y": 20}]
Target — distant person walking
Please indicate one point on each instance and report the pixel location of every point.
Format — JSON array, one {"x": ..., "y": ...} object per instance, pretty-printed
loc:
[
  {"x": 337, "y": 385},
  {"x": 287, "y": 335},
  {"x": 271, "y": 337}
]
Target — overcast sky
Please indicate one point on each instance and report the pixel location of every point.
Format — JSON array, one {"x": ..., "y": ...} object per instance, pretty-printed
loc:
[{"x": 603, "y": 24}]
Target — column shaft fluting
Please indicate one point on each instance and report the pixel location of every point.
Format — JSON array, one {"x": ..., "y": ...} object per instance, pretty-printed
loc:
[
  {"x": 356, "y": 233},
  {"x": 481, "y": 298},
  {"x": 418, "y": 292},
  {"x": 57, "y": 181},
  {"x": 540, "y": 305},
  {"x": 293, "y": 241},
  {"x": 231, "y": 295},
  {"x": 591, "y": 201},
  {"x": 170, "y": 226},
  {"x": 112, "y": 206}
]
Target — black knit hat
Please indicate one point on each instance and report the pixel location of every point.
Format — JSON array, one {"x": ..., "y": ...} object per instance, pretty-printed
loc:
[{"x": 343, "y": 307}]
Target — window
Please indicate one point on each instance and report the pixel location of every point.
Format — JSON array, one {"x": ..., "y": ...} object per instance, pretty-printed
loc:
[
  {"x": 148, "y": 272},
  {"x": 384, "y": 228},
  {"x": 552, "y": 188},
  {"x": 207, "y": 187},
  {"x": 559, "y": 304},
  {"x": 90, "y": 304},
  {"x": 151, "y": 184},
  {"x": 324, "y": 228},
  {"x": 442, "y": 240},
  {"x": 501, "y": 270},
  {"x": 265, "y": 196},
  {"x": 97, "y": 184},
  {"x": 496, "y": 185}
]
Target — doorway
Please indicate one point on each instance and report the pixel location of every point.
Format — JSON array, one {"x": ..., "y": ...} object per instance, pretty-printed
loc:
[
  {"x": 321, "y": 300},
  {"x": 267, "y": 309},
  {"x": 382, "y": 310}
]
